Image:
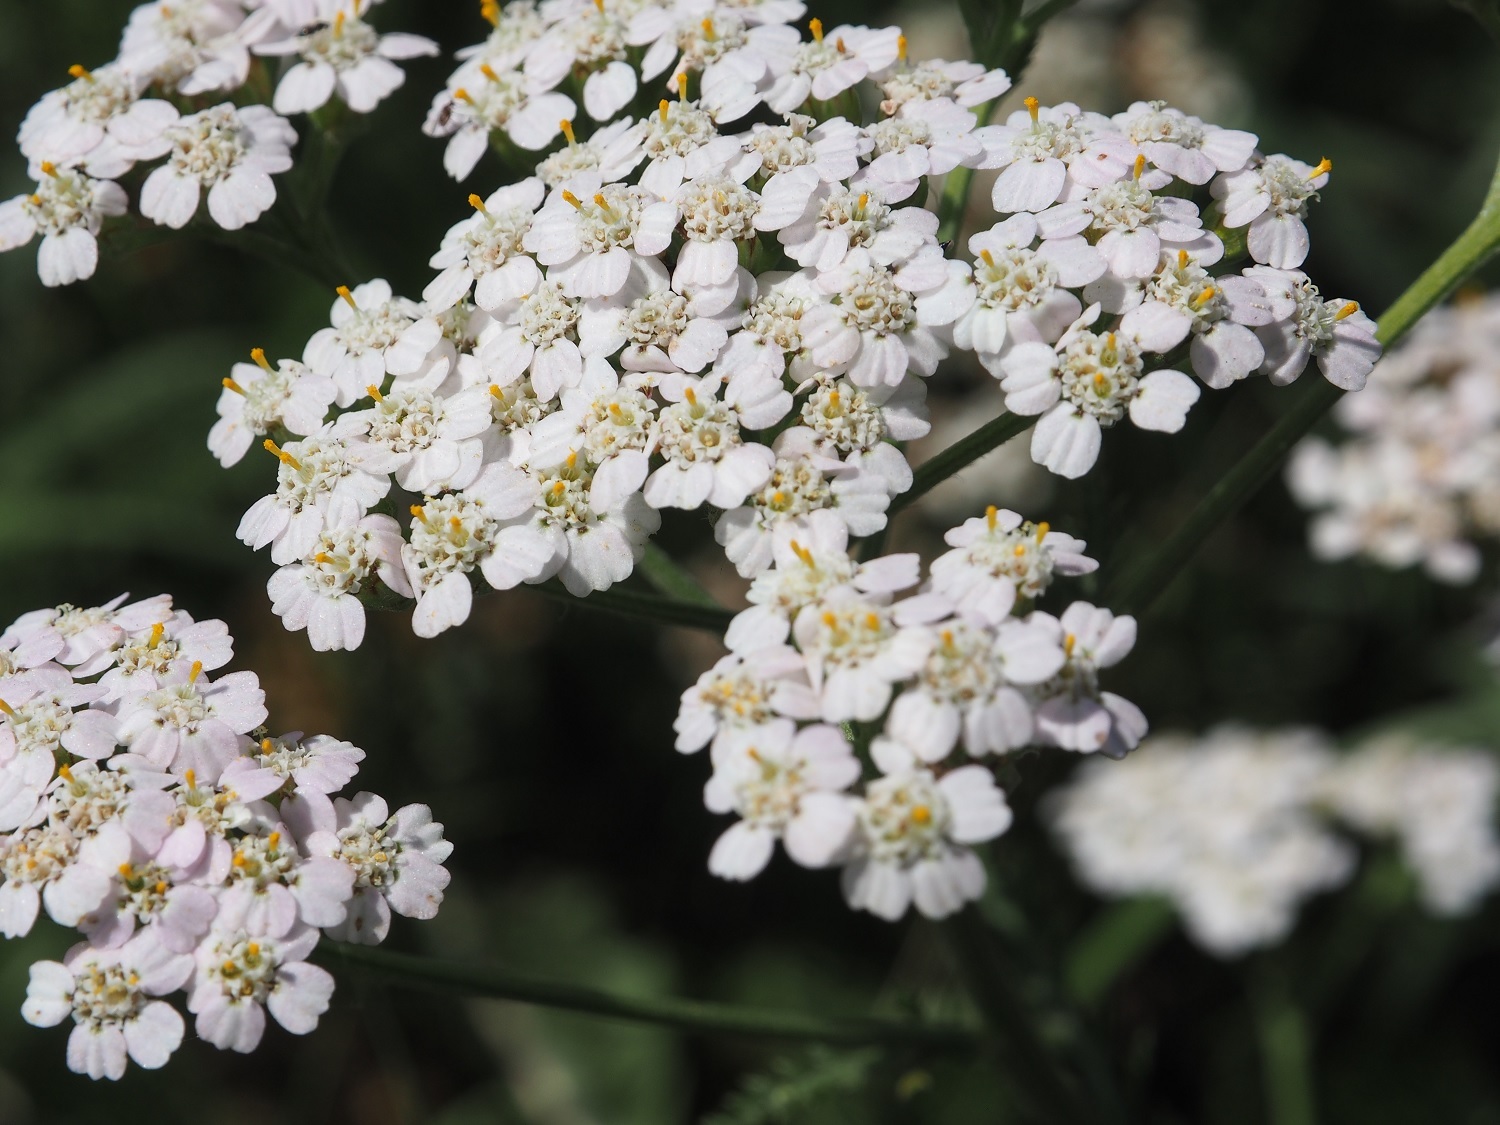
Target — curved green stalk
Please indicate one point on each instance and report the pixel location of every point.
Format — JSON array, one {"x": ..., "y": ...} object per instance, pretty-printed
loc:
[
  {"x": 645, "y": 607},
  {"x": 671, "y": 580},
  {"x": 962, "y": 453},
  {"x": 696, "y": 1016}
]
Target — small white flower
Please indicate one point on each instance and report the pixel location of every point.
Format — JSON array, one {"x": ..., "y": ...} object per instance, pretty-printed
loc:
[
  {"x": 486, "y": 248},
  {"x": 342, "y": 55},
  {"x": 258, "y": 399},
  {"x": 858, "y": 648},
  {"x": 190, "y": 46},
  {"x": 524, "y": 109},
  {"x": 999, "y": 558},
  {"x": 928, "y": 137},
  {"x": 1272, "y": 198},
  {"x": 192, "y": 723},
  {"x": 969, "y": 84},
  {"x": 96, "y": 122},
  {"x": 837, "y": 219},
  {"x": 741, "y": 692},
  {"x": 320, "y": 594},
  {"x": 1335, "y": 332},
  {"x": 832, "y": 63},
  {"x": 231, "y": 154},
  {"x": 239, "y": 975},
  {"x": 1071, "y": 712},
  {"x": 372, "y": 334},
  {"x": 1043, "y": 149},
  {"x": 706, "y": 460},
  {"x": 595, "y": 239},
  {"x": 68, "y": 210},
  {"x": 1186, "y": 146}
]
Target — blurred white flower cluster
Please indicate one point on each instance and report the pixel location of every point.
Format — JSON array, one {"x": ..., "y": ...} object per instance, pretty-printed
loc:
[
  {"x": 962, "y": 663},
  {"x": 1237, "y": 827},
  {"x": 1418, "y": 478},
  {"x": 143, "y": 802},
  {"x": 167, "y": 97}
]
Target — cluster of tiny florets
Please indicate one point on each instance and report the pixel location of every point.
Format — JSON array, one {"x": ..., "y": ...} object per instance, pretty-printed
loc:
[{"x": 144, "y": 803}]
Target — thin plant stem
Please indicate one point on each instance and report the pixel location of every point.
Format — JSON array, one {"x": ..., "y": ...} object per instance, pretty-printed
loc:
[
  {"x": 1139, "y": 585},
  {"x": 670, "y": 579},
  {"x": 645, "y": 607},
  {"x": 696, "y": 1016},
  {"x": 1281, "y": 1030},
  {"x": 961, "y": 454}
]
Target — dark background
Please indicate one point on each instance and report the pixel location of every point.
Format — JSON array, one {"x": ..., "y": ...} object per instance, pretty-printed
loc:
[{"x": 541, "y": 733}]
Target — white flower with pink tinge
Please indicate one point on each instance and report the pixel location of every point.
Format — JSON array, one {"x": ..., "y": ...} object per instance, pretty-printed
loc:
[
  {"x": 913, "y": 828},
  {"x": 396, "y": 862},
  {"x": 706, "y": 459},
  {"x": 967, "y": 83},
  {"x": 239, "y": 975},
  {"x": 53, "y": 866},
  {"x": 588, "y": 39},
  {"x": 795, "y": 159},
  {"x": 596, "y": 520},
  {"x": 174, "y": 905},
  {"x": 1131, "y": 226},
  {"x": 1271, "y": 198},
  {"x": 85, "y": 634},
  {"x": 724, "y": 52},
  {"x": 1071, "y": 712},
  {"x": 40, "y": 723},
  {"x": 860, "y": 426},
  {"x": 680, "y": 142},
  {"x": 110, "y": 997},
  {"x": 810, "y": 558},
  {"x": 1088, "y": 381},
  {"x": 191, "y": 46},
  {"x": 593, "y": 236},
  {"x": 1186, "y": 146},
  {"x": 320, "y": 484},
  {"x": 999, "y": 559},
  {"x": 877, "y": 323},
  {"x": 321, "y": 593},
  {"x": 832, "y": 63},
  {"x": 784, "y": 784},
  {"x": 173, "y": 644},
  {"x": 428, "y": 441},
  {"x": 230, "y": 153},
  {"x": 483, "y": 252},
  {"x": 858, "y": 647},
  {"x": 192, "y": 723},
  {"x": 742, "y": 691},
  {"x": 1044, "y": 150},
  {"x": 68, "y": 210},
  {"x": 94, "y": 123},
  {"x": 258, "y": 399},
  {"x": 969, "y": 688},
  {"x": 481, "y": 527},
  {"x": 372, "y": 333},
  {"x": 924, "y": 138},
  {"x": 1306, "y": 326},
  {"x": 518, "y": 105},
  {"x": 662, "y": 326},
  {"x": 342, "y": 54},
  {"x": 270, "y": 886},
  {"x": 837, "y": 220}
]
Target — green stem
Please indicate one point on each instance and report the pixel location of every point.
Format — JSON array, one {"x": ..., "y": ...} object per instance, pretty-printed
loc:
[
  {"x": 1282, "y": 1031},
  {"x": 1140, "y": 585},
  {"x": 683, "y": 1015},
  {"x": 663, "y": 572},
  {"x": 1119, "y": 939},
  {"x": 645, "y": 607},
  {"x": 962, "y": 453}
]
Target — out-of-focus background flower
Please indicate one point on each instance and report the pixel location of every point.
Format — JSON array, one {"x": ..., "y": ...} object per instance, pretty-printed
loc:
[{"x": 541, "y": 733}]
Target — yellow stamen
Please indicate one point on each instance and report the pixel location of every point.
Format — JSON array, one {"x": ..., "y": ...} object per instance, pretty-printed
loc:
[
  {"x": 1020, "y": 551},
  {"x": 833, "y": 400},
  {"x": 802, "y": 553},
  {"x": 1182, "y": 259},
  {"x": 567, "y": 130},
  {"x": 124, "y": 870},
  {"x": 490, "y": 10},
  {"x": 987, "y": 258},
  {"x": 49, "y": 169},
  {"x": 497, "y": 392},
  {"x": 572, "y": 461},
  {"x": 462, "y": 95},
  {"x": 600, "y": 5},
  {"x": 478, "y": 204},
  {"x": 67, "y": 774},
  {"x": 197, "y": 670},
  {"x": 558, "y": 488},
  {"x": 829, "y": 619},
  {"x": 157, "y": 631},
  {"x": 682, "y": 83},
  {"x": 323, "y": 557},
  {"x": 273, "y": 839},
  {"x": 691, "y": 396},
  {"x": 815, "y": 26},
  {"x": 231, "y": 385},
  {"x": 1033, "y": 107},
  {"x": 661, "y": 110},
  {"x": 191, "y": 777},
  {"x": 419, "y": 513},
  {"x": 36, "y": 200},
  {"x": 1042, "y": 529},
  {"x": 778, "y": 498},
  {"x": 991, "y": 514},
  {"x": 1140, "y": 165},
  {"x": 77, "y": 71},
  {"x": 266, "y": 746},
  {"x": 1068, "y": 642},
  {"x": 1101, "y": 384},
  {"x": 252, "y": 950},
  {"x": 160, "y": 887},
  {"x": 1324, "y": 167},
  {"x": 600, "y": 201},
  {"x": 864, "y": 198},
  {"x": 947, "y": 638},
  {"x": 921, "y": 815},
  {"x": 259, "y": 356},
  {"x": 489, "y": 72},
  {"x": 708, "y": 30},
  {"x": 343, "y": 291},
  {"x": 571, "y": 199},
  {"x": 375, "y": 393},
  {"x": 872, "y": 621},
  {"x": 1206, "y": 296},
  {"x": 286, "y": 458},
  {"x": 338, "y": 25},
  {"x": 838, "y": 45},
  {"x": 1349, "y": 309},
  {"x": 901, "y": 47}
]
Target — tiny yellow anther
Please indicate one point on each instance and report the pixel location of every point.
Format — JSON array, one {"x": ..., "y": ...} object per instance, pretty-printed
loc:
[
  {"x": 708, "y": 29},
  {"x": 49, "y": 169},
  {"x": 1020, "y": 551},
  {"x": 600, "y": 5},
  {"x": 991, "y": 514},
  {"x": 195, "y": 672},
  {"x": 691, "y": 395},
  {"x": 160, "y": 887},
  {"x": 252, "y": 950},
  {"x": 1349, "y": 309},
  {"x": 600, "y": 201},
  {"x": 1324, "y": 167},
  {"x": 124, "y": 870},
  {"x": 489, "y": 72},
  {"x": 1206, "y": 296},
  {"x": 661, "y": 110},
  {"x": 862, "y": 202},
  {"x": 273, "y": 839},
  {"x": 815, "y": 26},
  {"x": 1182, "y": 259},
  {"x": 802, "y": 553},
  {"x": 838, "y": 45},
  {"x": 1068, "y": 642},
  {"x": 323, "y": 557},
  {"x": 1101, "y": 383},
  {"x": 1033, "y": 107},
  {"x": 374, "y": 392},
  {"x": 682, "y": 85},
  {"x": 1042, "y": 529},
  {"x": 572, "y": 461},
  {"x": 191, "y": 777},
  {"x": 343, "y": 291},
  {"x": 829, "y": 619},
  {"x": 462, "y": 95},
  {"x": 478, "y": 204},
  {"x": 231, "y": 385},
  {"x": 490, "y": 10},
  {"x": 36, "y": 200},
  {"x": 418, "y": 513},
  {"x": 833, "y": 400},
  {"x": 558, "y": 488},
  {"x": 77, "y": 71},
  {"x": 872, "y": 621},
  {"x": 778, "y": 498},
  {"x": 921, "y": 814},
  {"x": 1140, "y": 165},
  {"x": 497, "y": 392},
  {"x": 947, "y": 638},
  {"x": 259, "y": 356},
  {"x": 567, "y": 130},
  {"x": 266, "y": 746},
  {"x": 455, "y": 523},
  {"x": 901, "y": 47},
  {"x": 571, "y": 199},
  {"x": 987, "y": 258},
  {"x": 157, "y": 632},
  {"x": 286, "y": 458},
  {"x": 65, "y": 772}
]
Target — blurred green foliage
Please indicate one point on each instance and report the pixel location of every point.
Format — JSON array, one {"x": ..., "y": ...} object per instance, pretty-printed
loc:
[{"x": 541, "y": 734}]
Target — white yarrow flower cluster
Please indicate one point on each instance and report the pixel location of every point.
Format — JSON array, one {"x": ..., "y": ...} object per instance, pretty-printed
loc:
[
  {"x": 954, "y": 672},
  {"x": 143, "y": 803},
  {"x": 1417, "y": 479},
  {"x": 1234, "y": 827}
]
